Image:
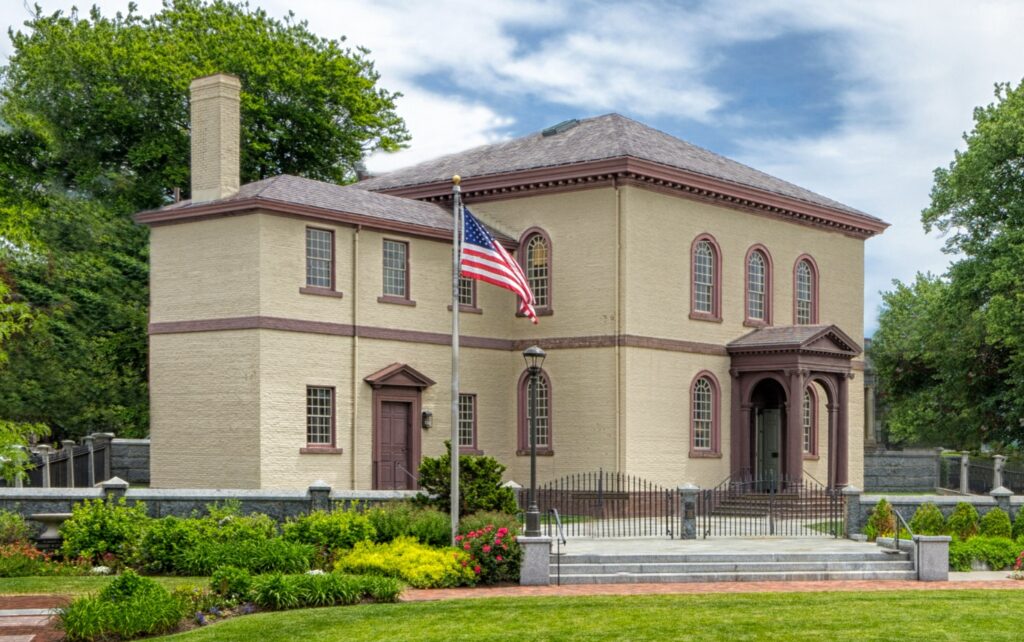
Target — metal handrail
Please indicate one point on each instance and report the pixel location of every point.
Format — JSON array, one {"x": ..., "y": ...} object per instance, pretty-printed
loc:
[
  {"x": 558, "y": 543},
  {"x": 896, "y": 539}
]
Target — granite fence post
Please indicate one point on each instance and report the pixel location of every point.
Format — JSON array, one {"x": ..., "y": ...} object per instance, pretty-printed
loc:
[
  {"x": 535, "y": 569},
  {"x": 852, "y": 518},
  {"x": 998, "y": 462},
  {"x": 92, "y": 460},
  {"x": 68, "y": 446},
  {"x": 932, "y": 557},
  {"x": 688, "y": 511},
  {"x": 44, "y": 453},
  {"x": 114, "y": 488},
  {"x": 965, "y": 488},
  {"x": 1002, "y": 496},
  {"x": 319, "y": 496}
]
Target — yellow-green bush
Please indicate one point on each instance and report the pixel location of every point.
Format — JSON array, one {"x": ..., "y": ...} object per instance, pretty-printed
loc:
[{"x": 410, "y": 561}]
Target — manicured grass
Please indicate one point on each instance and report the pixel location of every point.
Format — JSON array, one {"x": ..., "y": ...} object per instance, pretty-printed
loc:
[
  {"x": 908, "y": 615},
  {"x": 78, "y": 585}
]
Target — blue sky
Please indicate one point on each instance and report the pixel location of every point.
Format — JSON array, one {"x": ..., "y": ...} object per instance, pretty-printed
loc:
[{"x": 858, "y": 100}]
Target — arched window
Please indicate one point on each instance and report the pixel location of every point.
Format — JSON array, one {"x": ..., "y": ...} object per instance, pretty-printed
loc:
[
  {"x": 543, "y": 411},
  {"x": 810, "y": 421},
  {"x": 535, "y": 257},
  {"x": 705, "y": 291},
  {"x": 805, "y": 292},
  {"x": 704, "y": 416},
  {"x": 758, "y": 295}
]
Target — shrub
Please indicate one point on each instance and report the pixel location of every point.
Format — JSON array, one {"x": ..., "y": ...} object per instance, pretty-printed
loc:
[
  {"x": 21, "y": 560},
  {"x": 380, "y": 589},
  {"x": 478, "y": 521},
  {"x": 882, "y": 523},
  {"x": 225, "y": 522},
  {"x": 428, "y": 525},
  {"x": 130, "y": 606},
  {"x": 261, "y": 556},
  {"x": 480, "y": 486},
  {"x": 997, "y": 552},
  {"x": 963, "y": 523},
  {"x": 13, "y": 528},
  {"x": 407, "y": 559},
  {"x": 275, "y": 591},
  {"x": 1018, "y": 524},
  {"x": 495, "y": 554},
  {"x": 330, "y": 531},
  {"x": 163, "y": 543},
  {"x": 98, "y": 527},
  {"x": 431, "y": 527},
  {"x": 928, "y": 520},
  {"x": 995, "y": 523},
  {"x": 329, "y": 589},
  {"x": 231, "y": 583}
]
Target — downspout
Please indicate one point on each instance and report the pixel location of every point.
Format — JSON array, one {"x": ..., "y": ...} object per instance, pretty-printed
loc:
[
  {"x": 619, "y": 378},
  {"x": 355, "y": 356}
]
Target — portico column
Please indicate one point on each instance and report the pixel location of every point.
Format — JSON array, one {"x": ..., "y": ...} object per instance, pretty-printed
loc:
[
  {"x": 833, "y": 421},
  {"x": 794, "y": 426},
  {"x": 735, "y": 426},
  {"x": 842, "y": 431}
]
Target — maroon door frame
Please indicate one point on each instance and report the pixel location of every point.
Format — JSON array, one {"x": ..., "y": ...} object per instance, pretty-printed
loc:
[{"x": 399, "y": 383}]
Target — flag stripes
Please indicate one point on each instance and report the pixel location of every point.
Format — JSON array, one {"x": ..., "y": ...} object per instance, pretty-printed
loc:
[{"x": 485, "y": 259}]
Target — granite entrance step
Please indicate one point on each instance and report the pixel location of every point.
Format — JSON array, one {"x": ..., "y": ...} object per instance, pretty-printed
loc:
[{"x": 831, "y": 562}]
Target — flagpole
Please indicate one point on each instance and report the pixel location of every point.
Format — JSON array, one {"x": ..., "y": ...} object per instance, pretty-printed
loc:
[{"x": 456, "y": 251}]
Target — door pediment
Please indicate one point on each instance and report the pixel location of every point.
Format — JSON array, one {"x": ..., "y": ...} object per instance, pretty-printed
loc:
[{"x": 399, "y": 375}]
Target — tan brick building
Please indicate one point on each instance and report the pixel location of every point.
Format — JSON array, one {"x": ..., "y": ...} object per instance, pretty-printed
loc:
[{"x": 300, "y": 330}]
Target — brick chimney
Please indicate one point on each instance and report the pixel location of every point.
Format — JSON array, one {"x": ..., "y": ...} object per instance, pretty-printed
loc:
[{"x": 216, "y": 148}]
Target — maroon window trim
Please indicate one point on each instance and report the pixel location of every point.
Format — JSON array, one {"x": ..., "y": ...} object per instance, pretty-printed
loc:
[
  {"x": 716, "y": 418},
  {"x": 716, "y": 284},
  {"x": 474, "y": 448},
  {"x": 331, "y": 291},
  {"x": 769, "y": 295},
  {"x": 815, "y": 287},
  {"x": 524, "y": 240},
  {"x": 334, "y": 426},
  {"x": 523, "y": 427},
  {"x": 406, "y": 297},
  {"x": 813, "y": 452}
]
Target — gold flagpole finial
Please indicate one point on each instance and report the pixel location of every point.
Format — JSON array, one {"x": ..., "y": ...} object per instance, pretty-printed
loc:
[{"x": 456, "y": 179}]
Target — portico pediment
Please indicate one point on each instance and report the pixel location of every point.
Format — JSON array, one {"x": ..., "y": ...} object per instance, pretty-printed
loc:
[
  {"x": 399, "y": 375},
  {"x": 801, "y": 339}
]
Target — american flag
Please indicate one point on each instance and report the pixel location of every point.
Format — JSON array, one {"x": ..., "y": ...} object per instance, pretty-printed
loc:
[{"x": 483, "y": 258}]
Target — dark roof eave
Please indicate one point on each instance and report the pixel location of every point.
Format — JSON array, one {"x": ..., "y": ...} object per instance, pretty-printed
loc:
[
  {"x": 657, "y": 174},
  {"x": 239, "y": 206}
]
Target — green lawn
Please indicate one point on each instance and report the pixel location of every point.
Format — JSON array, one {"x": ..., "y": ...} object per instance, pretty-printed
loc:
[
  {"x": 77, "y": 585},
  {"x": 908, "y": 615}
]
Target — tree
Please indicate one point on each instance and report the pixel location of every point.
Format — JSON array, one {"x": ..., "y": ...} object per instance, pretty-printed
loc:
[
  {"x": 950, "y": 351},
  {"x": 97, "y": 128}
]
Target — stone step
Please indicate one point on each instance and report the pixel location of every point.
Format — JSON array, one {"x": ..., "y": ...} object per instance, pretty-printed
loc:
[
  {"x": 794, "y": 576},
  {"x": 880, "y": 555},
  {"x": 730, "y": 567}
]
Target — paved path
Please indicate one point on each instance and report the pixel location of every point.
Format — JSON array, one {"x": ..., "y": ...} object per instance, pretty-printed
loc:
[{"x": 30, "y": 618}]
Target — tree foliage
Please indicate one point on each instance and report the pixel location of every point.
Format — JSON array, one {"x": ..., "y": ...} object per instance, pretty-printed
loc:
[
  {"x": 950, "y": 351},
  {"x": 96, "y": 127}
]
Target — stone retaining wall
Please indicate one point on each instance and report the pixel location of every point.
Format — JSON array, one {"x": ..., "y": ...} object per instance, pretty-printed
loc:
[
  {"x": 901, "y": 471},
  {"x": 859, "y": 507}
]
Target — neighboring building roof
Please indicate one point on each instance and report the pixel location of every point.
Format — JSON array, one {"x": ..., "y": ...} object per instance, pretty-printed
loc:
[
  {"x": 794, "y": 337},
  {"x": 304, "y": 195},
  {"x": 593, "y": 139}
]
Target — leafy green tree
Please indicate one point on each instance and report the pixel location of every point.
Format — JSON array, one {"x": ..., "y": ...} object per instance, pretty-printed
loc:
[
  {"x": 96, "y": 121},
  {"x": 950, "y": 350}
]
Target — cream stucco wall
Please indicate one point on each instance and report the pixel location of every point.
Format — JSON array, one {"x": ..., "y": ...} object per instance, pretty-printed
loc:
[{"x": 204, "y": 410}]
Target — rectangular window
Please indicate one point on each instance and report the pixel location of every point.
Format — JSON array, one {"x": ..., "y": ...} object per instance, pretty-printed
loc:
[
  {"x": 319, "y": 416},
  {"x": 467, "y": 292},
  {"x": 319, "y": 258},
  {"x": 467, "y": 421},
  {"x": 396, "y": 269}
]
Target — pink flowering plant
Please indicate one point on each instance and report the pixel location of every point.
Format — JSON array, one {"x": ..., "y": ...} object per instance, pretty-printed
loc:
[{"x": 494, "y": 554}]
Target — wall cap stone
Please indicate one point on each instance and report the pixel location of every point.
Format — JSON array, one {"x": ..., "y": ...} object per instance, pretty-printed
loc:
[
  {"x": 1002, "y": 491},
  {"x": 114, "y": 483},
  {"x": 852, "y": 490}
]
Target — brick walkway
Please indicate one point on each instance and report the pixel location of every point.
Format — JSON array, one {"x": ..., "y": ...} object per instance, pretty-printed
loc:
[
  {"x": 29, "y": 618},
  {"x": 422, "y": 595}
]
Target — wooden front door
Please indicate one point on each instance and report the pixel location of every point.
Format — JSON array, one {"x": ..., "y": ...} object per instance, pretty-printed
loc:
[{"x": 394, "y": 466}]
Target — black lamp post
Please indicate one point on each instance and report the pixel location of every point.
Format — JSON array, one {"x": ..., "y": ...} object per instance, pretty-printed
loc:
[{"x": 534, "y": 360}]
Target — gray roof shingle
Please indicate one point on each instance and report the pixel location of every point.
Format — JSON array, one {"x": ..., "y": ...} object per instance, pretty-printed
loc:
[{"x": 598, "y": 138}]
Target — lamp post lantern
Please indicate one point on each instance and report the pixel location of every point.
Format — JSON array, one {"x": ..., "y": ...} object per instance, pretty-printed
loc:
[{"x": 534, "y": 357}]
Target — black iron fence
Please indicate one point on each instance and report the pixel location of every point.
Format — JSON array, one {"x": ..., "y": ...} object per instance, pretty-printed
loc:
[
  {"x": 770, "y": 507},
  {"x": 611, "y": 504},
  {"x": 981, "y": 474}
]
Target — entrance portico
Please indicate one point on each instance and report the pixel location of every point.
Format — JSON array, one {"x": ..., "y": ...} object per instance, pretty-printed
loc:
[{"x": 771, "y": 367}]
